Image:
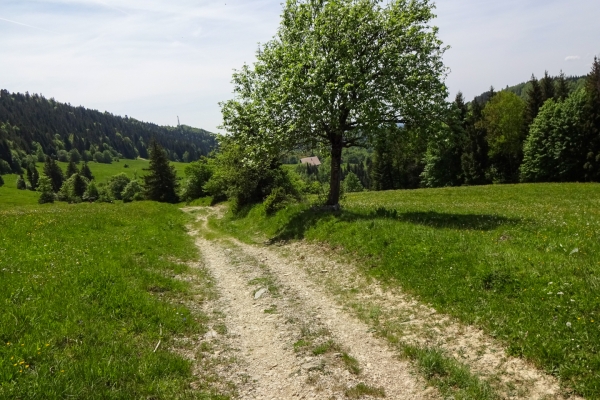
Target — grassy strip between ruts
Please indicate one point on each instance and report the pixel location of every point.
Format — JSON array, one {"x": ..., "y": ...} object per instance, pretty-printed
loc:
[
  {"x": 521, "y": 261},
  {"x": 87, "y": 292}
]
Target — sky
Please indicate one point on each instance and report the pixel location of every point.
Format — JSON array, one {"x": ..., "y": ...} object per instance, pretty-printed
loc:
[{"x": 156, "y": 60}]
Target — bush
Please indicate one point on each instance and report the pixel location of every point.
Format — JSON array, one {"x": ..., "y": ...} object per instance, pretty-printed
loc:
[
  {"x": 275, "y": 200},
  {"x": 197, "y": 174},
  {"x": 21, "y": 185},
  {"x": 91, "y": 194},
  {"x": 63, "y": 156},
  {"x": 352, "y": 183},
  {"x": 73, "y": 189},
  {"x": 74, "y": 156},
  {"x": 1, "y": 181},
  {"x": 133, "y": 191},
  {"x": 116, "y": 185},
  {"x": 244, "y": 181}
]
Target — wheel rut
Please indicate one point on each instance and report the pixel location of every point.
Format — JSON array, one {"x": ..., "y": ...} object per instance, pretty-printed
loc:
[{"x": 292, "y": 341}]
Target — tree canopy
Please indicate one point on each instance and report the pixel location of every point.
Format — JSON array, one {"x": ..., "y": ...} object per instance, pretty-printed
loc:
[{"x": 338, "y": 74}]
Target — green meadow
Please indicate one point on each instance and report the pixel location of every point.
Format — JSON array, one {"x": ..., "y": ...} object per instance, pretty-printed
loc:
[
  {"x": 520, "y": 261},
  {"x": 87, "y": 292}
]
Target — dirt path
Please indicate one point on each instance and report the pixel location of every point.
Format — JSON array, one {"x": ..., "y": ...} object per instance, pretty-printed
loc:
[{"x": 302, "y": 325}]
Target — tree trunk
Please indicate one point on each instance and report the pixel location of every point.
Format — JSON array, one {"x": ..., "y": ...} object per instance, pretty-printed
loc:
[{"x": 336, "y": 172}]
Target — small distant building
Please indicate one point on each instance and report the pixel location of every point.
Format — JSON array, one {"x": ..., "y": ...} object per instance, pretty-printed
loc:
[{"x": 311, "y": 161}]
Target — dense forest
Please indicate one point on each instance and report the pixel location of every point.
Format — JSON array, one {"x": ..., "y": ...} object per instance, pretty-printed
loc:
[
  {"x": 31, "y": 125},
  {"x": 543, "y": 130}
]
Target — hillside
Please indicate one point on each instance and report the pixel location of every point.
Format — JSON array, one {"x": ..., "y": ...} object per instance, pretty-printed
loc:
[
  {"x": 32, "y": 124},
  {"x": 521, "y": 89}
]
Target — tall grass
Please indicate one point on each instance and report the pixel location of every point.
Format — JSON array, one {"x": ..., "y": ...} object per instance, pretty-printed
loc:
[
  {"x": 83, "y": 297},
  {"x": 521, "y": 261}
]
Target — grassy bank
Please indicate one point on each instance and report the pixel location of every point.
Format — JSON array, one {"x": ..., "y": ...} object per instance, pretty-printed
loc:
[
  {"x": 521, "y": 261},
  {"x": 87, "y": 291}
]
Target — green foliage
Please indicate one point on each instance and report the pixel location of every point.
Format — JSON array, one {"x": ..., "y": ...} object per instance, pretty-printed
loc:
[
  {"x": 244, "y": 181},
  {"x": 71, "y": 169},
  {"x": 197, "y": 174},
  {"x": 504, "y": 121},
  {"x": 91, "y": 194},
  {"x": 510, "y": 259},
  {"x": 21, "y": 185},
  {"x": 45, "y": 188},
  {"x": 79, "y": 318},
  {"x": 116, "y": 184},
  {"x": 53, "y": 171},
  {"x": 160, "y": 184},
  {"x": 133, "y": 191},
  {"x": 352, "y": 184},
  {"x": 474, "y": 158},
  {"x": 73, "y": 189},
  {"x": 592, "y": 124},
  {"x": 556, "y": 147},
  {"x": 86, "y": 172},
  {"x": 54, "y": 127},
  {"x": 338, "y": 74},
  {"x": 1, "y": 181},
  {"x": 443, "y": 163},
  {"x": 33, "y": 176}
]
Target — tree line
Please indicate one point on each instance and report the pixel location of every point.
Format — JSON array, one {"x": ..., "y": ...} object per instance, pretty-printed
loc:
[
  {"x": 546, "y": 130},
  {"x": 34, "y": 125}
]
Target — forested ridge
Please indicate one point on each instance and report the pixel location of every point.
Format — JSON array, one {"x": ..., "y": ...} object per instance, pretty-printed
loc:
[{"x": 33, "y": 124}]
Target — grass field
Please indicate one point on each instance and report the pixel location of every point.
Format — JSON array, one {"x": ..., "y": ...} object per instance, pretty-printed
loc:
[
  {"x": 87, "y": 291},
  {"x": 521, "y": 261}
]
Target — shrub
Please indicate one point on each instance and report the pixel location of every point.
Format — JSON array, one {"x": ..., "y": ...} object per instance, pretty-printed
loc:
[
  {"x": 133, "y": 191},
  {"x": 245, "y": 181},
  {"x": 352, "y": 183},
  {"x": 275, "y": 200},
  {"x": 197, "y": 174},
  {"x": 116, "y": 185},
  {"x": 73, "y": 189},
  {"x": 21, "y": 185},
  {"x": 91, "y": 194},
  {"x": 63, "y": 156},
  {"x": 1, "y": 181}
]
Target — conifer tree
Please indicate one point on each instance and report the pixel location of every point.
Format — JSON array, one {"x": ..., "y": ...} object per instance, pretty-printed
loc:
[
  {"x": 21, "y": 185},
  {"x": 592, "y": 121},
  {"x": 71, "y": 169},
  {"x": 534, "y": 101},
  {"x": 45, "y": 189},
  {"x": 547, "y": 86},
  {"x": 160, "y": 184},
  {"x": 53, "y": 171},
  {"x": 86, "y": 172},
  {"x": 33, "y": 176},
  {"x": 79, "y": 185},
  {"x": 562, "y": 89}
]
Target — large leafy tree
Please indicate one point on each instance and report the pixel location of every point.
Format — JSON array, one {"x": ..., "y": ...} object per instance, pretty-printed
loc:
[
  {"x": 555, "y": 149},
  {"x": 504, "y": 121},
  {"x": 338, "y": 74}
]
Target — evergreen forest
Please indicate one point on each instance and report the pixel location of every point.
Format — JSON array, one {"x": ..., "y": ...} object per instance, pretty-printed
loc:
[{"x": 31, "y": 125}]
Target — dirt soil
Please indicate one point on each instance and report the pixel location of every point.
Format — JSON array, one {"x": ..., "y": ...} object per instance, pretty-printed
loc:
[{"x": 301, "y": 322}]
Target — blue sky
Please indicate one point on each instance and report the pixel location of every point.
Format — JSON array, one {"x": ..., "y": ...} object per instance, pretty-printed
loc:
[{"x": 156, "y": 60}]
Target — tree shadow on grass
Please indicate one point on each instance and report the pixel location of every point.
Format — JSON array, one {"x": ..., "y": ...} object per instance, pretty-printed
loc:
[{"x": 304, "y": 220}]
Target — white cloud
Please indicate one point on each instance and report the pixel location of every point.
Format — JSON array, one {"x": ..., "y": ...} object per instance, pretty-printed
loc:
[{"x": 572, "y": 58}]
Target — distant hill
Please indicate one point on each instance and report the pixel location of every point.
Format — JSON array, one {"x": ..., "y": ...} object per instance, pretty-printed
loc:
[
  {"x": 29, "y": 123},
  {"x": 575, "y": 82}
]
